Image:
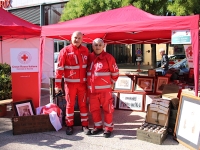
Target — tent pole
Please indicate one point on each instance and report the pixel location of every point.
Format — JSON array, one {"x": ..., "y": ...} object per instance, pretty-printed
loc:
[
  {"x": 167, "y": 48},
  {"x": 1, "y": 49}
]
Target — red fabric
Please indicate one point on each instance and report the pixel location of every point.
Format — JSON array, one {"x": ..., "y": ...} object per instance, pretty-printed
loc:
[
  {"x": 49, "y": 108},
  {"x": 123, "y": 25},
  {"x": 13, "y": 27},
  {"x": 71, "y": 90},
  {"x": 105, "y": 62},
  {"x": 72, "y": 56},
  {"x": 105, "y": 100}
]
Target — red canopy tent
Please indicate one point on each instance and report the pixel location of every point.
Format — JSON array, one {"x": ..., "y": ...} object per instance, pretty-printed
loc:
[
  {"x": 16, "y": 29},
  {"x": 129, "y": 25}
]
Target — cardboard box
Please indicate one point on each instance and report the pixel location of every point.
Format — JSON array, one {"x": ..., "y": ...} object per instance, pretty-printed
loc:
[
  {"x": 190, "y": 92},
  {"x": 31, "y": 124},
  {"x": 156, "y": 119},
  {"x": 170, "y": 91}
]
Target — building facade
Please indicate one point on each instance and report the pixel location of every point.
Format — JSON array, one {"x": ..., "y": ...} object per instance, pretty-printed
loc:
[{"x": 39, "y": 12}]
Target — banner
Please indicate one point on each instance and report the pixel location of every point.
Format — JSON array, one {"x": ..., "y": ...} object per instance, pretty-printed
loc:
[
  {"x": 25, "y": 74},
  {"x": 181, "y": 37},
  {"x": 24, "y": 60}
]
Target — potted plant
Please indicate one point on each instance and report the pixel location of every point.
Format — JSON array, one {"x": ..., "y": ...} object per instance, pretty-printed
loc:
[{"x": 5, "y": 86}]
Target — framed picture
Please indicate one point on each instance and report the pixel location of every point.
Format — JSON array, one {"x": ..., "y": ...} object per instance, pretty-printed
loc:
[
  {"x": 115, "y": 96},
  {"x": 161, "y": 81},
  {"x": 23, "y": 108},
  {"x": 131, "y": 101},
  {"x": 124, "y": 83},
  {"x": 144, "y": 84},
  {"x": 151, "y": 73},
  {"x": 187, "y": 128},
  {"x": 168, "y": 75}
]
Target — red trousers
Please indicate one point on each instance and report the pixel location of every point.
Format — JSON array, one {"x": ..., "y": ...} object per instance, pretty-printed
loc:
[
  {"x": 71, "y": 90},
  {"x": 105, "y": 100}
]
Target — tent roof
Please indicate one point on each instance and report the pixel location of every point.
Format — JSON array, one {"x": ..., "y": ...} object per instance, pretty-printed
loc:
[
  {"x": 123, "y": 25},
  {"x": 12, "y": 26}
]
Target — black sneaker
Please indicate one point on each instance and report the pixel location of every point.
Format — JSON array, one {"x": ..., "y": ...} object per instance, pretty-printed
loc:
[
  {"x": 69, "y": 130},
  {"x": 107, "y": 134},
  {"x": 96, "y": 131}
]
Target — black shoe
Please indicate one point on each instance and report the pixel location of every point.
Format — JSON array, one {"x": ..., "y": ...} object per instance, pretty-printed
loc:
[
  {"x": 69, "y": 130},
  {"x": 107, "y": 134},
  {"x": 86, "y": 130},
  {"x": 96, "y": 131}
]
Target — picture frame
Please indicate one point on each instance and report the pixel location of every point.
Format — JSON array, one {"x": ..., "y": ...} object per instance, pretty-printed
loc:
[
  {"x": 187, "y": 127},
  {"x": 124, "y": 83},
  {"x": 161, "y": 81},
  {"x": 151, "y": 73},
  {"x": 168, "y": 75},
  {"x": 23, "y": 108},
  {"x": 131, "y": 101},
  {"x": 115, "y": 98},
  {"x": 144, "y": 84}
]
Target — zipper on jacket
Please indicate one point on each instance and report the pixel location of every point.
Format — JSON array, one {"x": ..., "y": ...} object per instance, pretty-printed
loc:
[
  {"x": 76, "y": 59},
  {"x": 91, "y": 66},
  {"x": 72, "y": 74},
  {"x": 104, "y": 80},
  {"x": 83, "y": 58}
]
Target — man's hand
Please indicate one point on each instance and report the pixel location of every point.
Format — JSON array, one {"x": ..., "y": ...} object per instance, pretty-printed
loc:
[
  {"x": 112, "y": 86},
  {"x": 57, "y": 90}
]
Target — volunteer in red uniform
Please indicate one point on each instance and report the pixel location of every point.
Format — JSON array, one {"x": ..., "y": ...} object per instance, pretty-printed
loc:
[
  {"x": 102, "y": 73},
  {"x": 72, "y": 63}
]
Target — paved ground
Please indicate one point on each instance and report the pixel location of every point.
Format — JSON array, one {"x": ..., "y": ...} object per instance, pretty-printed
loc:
[{"x": 123, "y": 138}]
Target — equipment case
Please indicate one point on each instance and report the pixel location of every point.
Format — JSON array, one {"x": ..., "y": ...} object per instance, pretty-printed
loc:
[{"x": 155, "y": 120}]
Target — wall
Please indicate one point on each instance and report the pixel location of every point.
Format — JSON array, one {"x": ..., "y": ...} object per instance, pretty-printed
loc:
[{"x": 147, "y": 56}]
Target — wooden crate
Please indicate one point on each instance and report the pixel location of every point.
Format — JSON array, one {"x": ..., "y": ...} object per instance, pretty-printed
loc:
[
  {"x": 156, "y": 138},
  {"x": 31, "y": 124}
]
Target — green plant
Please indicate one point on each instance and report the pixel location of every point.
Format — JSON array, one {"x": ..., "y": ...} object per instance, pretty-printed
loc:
[{"x": 5, "y": 81}]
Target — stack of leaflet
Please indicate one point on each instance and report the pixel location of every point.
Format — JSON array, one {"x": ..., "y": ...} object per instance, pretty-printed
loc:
[{"x": 160, "y": 106}]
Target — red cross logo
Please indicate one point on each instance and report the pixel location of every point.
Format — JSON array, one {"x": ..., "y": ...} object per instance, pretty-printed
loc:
[
  {"x": 24, "y": 57},
  {"x": 190, "y": 53}
]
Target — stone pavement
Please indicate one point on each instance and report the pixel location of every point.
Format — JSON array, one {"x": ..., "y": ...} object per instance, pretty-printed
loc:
[{"x": 123, "y": 137}]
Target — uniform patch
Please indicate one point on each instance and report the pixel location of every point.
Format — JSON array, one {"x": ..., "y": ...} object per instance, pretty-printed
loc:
[{"x": 98, "y": 66}]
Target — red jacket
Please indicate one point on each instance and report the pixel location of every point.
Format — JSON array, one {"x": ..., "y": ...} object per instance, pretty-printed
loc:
[
  {"x": 72, "y": 63},
  {"x": 102, "y": 72}
]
